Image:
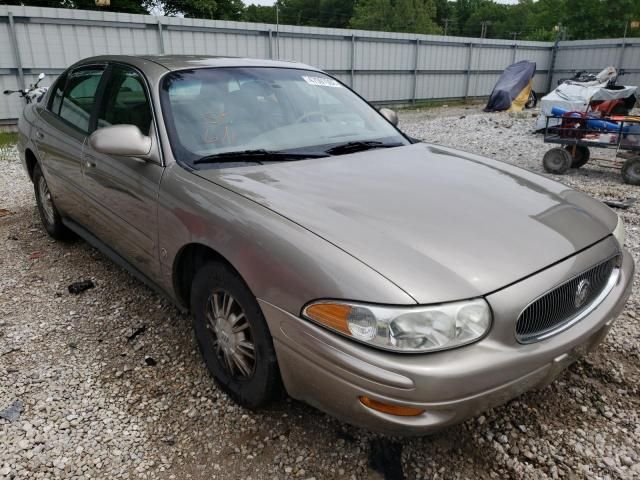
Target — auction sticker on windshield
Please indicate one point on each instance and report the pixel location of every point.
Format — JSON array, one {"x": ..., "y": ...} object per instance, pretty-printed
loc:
[{"x": 321, "y": 81}]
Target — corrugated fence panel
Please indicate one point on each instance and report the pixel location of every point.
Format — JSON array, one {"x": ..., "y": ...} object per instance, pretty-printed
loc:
[
  {"x": 541, "y": 57},
  {"x": 332, "y": 54},
  {"x": 384, "y": 66},
  {"x": 6, "y": 55},
  {"x": 445, "y": 57},
  {"x": 384, "y": 56},
  {"x": 383, "y": 87},
  {"x": 441, "y": 85}
]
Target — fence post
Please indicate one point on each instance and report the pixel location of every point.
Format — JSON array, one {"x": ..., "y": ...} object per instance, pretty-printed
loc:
[
  {"x": 16, "y": 51},
  {"x": 271, "y": 44},
  {"x": 353, "y": 60},
  {"x": 468, "y": 71},
  {"x": 552, "y": 63},
  {"x": 160, "y": 36},
  {"x": 415, "y": 71},
  {"x": 515, "y": 50},
  {"x": 621, "y": 57}
]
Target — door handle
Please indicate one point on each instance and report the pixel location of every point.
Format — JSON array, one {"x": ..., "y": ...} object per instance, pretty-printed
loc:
[{"x": 39, "y": 135}]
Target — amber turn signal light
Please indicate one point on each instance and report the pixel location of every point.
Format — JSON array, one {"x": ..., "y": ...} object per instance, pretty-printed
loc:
[
  {"x": 332, "y": 315},
  {"x": 397, "y": 410}
]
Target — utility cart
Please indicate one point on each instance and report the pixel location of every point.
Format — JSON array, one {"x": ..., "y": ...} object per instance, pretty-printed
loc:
[{"x": 577, "y": 132}]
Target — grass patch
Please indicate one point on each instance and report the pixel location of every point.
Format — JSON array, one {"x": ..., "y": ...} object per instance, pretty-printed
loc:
[{"x": 8, "y": 139}]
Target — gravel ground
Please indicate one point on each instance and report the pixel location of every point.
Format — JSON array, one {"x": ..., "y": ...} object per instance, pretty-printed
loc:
[{"x": 112, "y": 386}]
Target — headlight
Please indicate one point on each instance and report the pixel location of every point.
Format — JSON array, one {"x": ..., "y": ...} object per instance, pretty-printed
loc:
[
  {"x": 619, "y": 231},
  {"x": 405, "y": 329}
]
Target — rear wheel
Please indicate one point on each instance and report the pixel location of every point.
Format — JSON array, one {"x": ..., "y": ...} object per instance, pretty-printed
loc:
[
  {"x": 233, "y": 336},
  {"x": 49, "y": 215},
  {"x": 532, "y": 101},
  {"x": 557, "y": 161},
  {"x": 631, "y": 171},
  {"x": 581, "y": 156}
]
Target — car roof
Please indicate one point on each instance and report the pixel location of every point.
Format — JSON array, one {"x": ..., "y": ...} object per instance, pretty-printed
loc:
[{"x": 181, "y": 62}]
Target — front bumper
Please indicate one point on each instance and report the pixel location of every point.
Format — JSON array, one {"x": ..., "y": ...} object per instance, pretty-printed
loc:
[{"x": 331, "y": 372}]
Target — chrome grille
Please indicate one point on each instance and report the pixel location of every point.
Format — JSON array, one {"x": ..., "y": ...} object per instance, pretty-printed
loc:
[{"x": 566, "y": 304}]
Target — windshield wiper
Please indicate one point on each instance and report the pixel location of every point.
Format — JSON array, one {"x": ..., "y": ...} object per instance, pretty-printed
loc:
[
  {"x": 258, "y": 156},
  {"x": 351, "y": 147}
]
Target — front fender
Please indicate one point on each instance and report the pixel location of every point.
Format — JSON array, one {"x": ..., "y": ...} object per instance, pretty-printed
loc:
[{"x": 282, "y": 262}]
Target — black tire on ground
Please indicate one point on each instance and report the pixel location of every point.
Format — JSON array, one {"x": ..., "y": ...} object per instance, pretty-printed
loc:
[
  {"x": 557, "y": 161},
  {"x": 581, "y": 157},
  {"x": 233, "y": 336},
  {"x": 631, "y": 171},
  {"x": 49, "y": 215},
  {"x": 532, "y": 101}
]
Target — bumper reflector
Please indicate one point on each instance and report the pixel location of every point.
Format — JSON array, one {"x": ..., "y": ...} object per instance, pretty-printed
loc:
[{"x": 397, "y": 410}]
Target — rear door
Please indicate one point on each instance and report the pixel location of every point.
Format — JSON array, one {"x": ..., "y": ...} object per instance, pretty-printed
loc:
[
  {"x": 60, "y": 133},
  {"x": 124, "y": 190}
]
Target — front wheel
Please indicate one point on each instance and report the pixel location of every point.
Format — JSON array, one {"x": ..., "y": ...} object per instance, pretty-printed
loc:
[
  {"x": 631, "y": 171},
  {"x": 581, "y": 156},
  {"x": 49, "y": 215},
  {"x": 233, "y": 336},
  {"x": 557, "y": 161}
]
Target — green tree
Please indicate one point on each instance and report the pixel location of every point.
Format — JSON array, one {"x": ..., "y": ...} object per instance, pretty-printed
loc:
[
  {"x": 259, "y": 14},
  {"x": 415, "y": 16},
  {"x": 127, "y": 6},
  {"x": 209, "y": 9}
]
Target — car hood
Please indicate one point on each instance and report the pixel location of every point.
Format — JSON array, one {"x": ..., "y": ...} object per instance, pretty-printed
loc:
[{"x": 440, "y": 223}]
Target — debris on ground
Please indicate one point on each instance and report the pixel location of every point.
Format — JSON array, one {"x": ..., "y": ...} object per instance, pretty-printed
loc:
[
  {"x": 150, "y": 361},
  {"x": 623, "y": 204},
  {"x": 79, "y": 287},
  {"x": 136, "y": 331},
  {"x": 8, "y": 350},
  {"x": 13, "y": 411},
  {"x": 5, "y": 213}
]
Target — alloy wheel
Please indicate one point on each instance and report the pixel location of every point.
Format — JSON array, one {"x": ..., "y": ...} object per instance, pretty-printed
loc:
[
  {"x": 46, "y": 201},
  {"x": 231, "y": 334}
]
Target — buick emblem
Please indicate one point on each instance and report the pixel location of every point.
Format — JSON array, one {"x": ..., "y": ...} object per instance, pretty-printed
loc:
[{"x": 582, "y": 292}]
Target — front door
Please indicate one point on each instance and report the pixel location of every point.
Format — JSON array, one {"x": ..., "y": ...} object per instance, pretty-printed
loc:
[{"x": 124, "y": 190}]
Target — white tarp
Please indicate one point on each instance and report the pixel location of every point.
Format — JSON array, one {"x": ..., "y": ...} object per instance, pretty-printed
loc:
[{"x": 576, "y": 96}]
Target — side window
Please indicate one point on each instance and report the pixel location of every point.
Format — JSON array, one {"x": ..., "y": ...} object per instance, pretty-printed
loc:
[
  {"x": 125, "y": 100},
  {"x": 80, "y": 95},
  {"x": 55, "y": 100}
]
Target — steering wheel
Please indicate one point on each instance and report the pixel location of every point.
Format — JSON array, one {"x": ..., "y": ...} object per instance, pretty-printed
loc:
[{"x": 304, "y": 117}]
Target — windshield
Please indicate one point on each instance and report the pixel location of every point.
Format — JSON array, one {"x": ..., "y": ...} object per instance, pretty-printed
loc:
[{"x": 212, "y": 111}]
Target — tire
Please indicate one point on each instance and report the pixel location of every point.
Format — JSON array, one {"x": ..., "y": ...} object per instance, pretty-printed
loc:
[
  {"x": 631, "y": 171},
  {"x": 49, "y": 215},
  {"x": 581, "y": 157},
  {"x": 224, "y": 338},
  {"x": 532, "y": 101},
  {"x": 557, "y": 161}
]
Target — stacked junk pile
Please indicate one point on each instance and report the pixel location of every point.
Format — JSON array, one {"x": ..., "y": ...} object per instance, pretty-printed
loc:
[{"x": 587, "y": 110}]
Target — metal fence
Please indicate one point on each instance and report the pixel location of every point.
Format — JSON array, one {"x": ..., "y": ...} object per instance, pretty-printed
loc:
[{"x": 383, "y": 67}]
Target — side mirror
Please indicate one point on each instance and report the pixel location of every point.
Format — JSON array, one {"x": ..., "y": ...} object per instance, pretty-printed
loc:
[
  {"x": 123, "y": 140},
  {"x": 41, "y": 76},
  {"x": 390, "y": 115}
]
